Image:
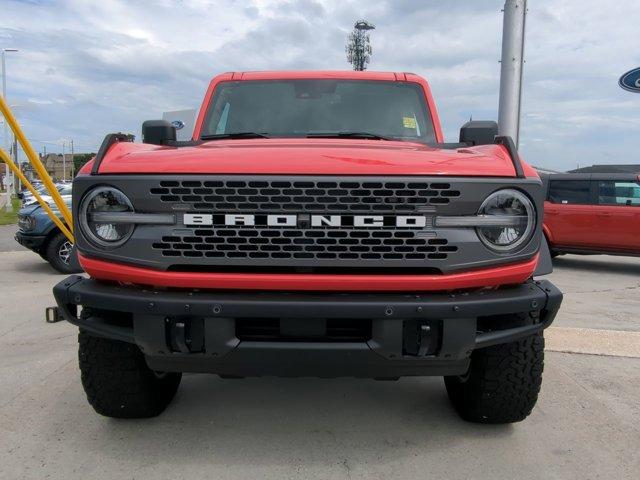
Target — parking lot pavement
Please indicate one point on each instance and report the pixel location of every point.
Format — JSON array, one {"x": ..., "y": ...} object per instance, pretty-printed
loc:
[
  {"x": 600, "y": 291},
  {"x": 7, "y": 242},
  {"x": 586, "y": 424}
]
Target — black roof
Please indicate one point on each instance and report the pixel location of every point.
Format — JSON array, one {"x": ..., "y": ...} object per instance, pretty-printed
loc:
[
  {"x": 629, "y": 168},
  {"x": 633, "y": 177}
]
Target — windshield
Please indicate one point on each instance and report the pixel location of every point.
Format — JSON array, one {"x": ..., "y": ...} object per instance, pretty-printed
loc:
[{"x": 318, "y": 108}]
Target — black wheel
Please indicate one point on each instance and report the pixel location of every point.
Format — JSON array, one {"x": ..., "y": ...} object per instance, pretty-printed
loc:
[
  {"x": 58, "y": 253},
  {"x": 118, "y": 382},
  {"x": 502, "y": 383}
]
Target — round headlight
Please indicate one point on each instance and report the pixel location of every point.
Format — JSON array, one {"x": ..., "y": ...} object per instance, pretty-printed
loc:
[
  {"x": 511, "y": 219},
  {"x": 99, "y": 228}
]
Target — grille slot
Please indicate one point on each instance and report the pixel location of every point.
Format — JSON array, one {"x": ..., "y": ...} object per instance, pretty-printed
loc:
[
  {"x": 330, "y": 330},
  {"x": 283, "y": 243},
  {"x": 270, "y": 196}
]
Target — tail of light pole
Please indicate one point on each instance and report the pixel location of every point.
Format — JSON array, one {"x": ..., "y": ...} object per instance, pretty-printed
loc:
[
  {"x": 511, "y": 65},
  {"x": 8, "y": 174}
]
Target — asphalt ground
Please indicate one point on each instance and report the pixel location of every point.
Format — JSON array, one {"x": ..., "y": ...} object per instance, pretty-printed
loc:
[
  {"x": 7, "y": 242},
  {"x": 586, "y": 424}
]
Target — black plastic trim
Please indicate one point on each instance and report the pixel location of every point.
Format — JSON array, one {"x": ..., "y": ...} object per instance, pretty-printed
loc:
[
  {"x": 382, "y": 355},
  {"x": 449, "y": 145},
  {"x": 32, "y": 242},
  {"x": 109, "y": 140},
  {"x": 510, "y": 145},
  {"x": 545, "y": 264},
  {"x": 78, "y": 290},
  {"x": 138, "y": 250},
  {"x": 183, "y": 143}
]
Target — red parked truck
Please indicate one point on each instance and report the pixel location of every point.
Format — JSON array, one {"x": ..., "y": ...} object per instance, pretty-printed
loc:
[
  {"x": 315, "y": 225},
  {"x": 593, "y": 213}
]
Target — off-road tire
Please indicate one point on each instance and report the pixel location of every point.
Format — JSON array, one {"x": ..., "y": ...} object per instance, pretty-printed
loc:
[
  {"x": 502, "y": 383},
  {"x": 51, "y": 253},
  {"x": 118, "y": 382}
]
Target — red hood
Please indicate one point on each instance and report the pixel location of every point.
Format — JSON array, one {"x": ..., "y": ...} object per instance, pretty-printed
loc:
[{"x": 310, "y": 156}]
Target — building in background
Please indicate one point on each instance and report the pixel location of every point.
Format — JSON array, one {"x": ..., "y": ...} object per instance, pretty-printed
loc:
[
  {"x": 4, "y": 171},
  {"x": 56, "y": 167},
  {"x": 620, "y": 168},
  {"x": 545, "y": 171}
]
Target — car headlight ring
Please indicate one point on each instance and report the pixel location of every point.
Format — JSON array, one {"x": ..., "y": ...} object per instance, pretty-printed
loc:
[
  {"x": 515, "y": 220},
  {"x": 98, "y": 202}
]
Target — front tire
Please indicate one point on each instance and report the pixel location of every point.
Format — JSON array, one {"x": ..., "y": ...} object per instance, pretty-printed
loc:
[
  {"x": 58, "y": 252},
  {"x": 502, "y": 383},
  {"x": 118, "y": 382}
]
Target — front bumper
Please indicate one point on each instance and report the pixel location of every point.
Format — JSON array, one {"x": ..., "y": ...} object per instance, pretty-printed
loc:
[
  {"x": 32, "y": 242},
  {"x": 190, "y": 331}
]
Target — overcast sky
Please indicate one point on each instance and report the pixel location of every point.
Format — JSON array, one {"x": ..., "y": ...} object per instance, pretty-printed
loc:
[{"x": 88, "y": 68}]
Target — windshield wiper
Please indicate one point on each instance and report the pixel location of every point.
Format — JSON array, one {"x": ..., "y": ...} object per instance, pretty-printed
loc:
[
  {"x": 233, "y": 135},
  {"x": 366, "y": 135}
]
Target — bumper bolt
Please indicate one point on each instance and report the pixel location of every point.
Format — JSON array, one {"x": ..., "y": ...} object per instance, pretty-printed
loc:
[
  {"x": 151, "y": 305},
  {"x": 456, "y": 308},
  {"x": 217, "y": 309},
  {"x": 420, "y": 309},
  {"x": 388, "y": 311},
  {"x": 534, "y": 304}
]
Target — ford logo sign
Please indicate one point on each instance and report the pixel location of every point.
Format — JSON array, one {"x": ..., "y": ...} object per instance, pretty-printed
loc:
[
  {"x": 178, "y": 124},
  {"x": 631, "y": 80}
]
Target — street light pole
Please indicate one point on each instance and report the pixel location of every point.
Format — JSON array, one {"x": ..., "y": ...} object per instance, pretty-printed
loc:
[
  {"x": 8, "y": 176},
  {"x": 513, "y": 31},
  {"x": 64, "y": 164},
  {"x": 72, "y": 160}
]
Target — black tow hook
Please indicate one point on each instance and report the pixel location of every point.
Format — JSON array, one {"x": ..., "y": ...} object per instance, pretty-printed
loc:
[{"x": 52, "y": 315}]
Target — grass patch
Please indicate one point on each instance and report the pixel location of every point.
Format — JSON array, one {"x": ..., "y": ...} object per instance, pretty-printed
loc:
[{"x": 9, "y": 218}]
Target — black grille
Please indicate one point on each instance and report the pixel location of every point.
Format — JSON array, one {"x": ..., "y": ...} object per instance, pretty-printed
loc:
[
  {"x": 349, "y": 245},
  {"x": 325, "y": 244},
  {"x": 274, "y": 196}
]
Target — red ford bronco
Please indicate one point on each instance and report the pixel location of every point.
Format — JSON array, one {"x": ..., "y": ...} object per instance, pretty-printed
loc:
[
  {"x": 315, "y": 225},
  {"x": 592, "y": 213}
]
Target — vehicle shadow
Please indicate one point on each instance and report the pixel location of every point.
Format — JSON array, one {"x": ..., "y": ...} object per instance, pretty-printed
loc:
[
  {"x": 601, "y": 263},
  {"x": 38, "y": 266},
  {"x": 271, "y": 421}
]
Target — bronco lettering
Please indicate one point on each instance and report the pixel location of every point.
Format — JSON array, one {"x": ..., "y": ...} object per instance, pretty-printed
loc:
[{"x": 361, "y": 221}]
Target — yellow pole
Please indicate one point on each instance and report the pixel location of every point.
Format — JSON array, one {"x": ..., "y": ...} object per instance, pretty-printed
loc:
[
  {"x": 14, "y": 168},
  {"x": 35, "y": 162}
]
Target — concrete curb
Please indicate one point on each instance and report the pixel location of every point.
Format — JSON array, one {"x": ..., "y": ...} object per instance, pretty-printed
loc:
[{"x": 591, "y": 341}]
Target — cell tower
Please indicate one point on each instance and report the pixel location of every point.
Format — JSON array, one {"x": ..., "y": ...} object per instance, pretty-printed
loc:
[{"x": 359, "y": 45}]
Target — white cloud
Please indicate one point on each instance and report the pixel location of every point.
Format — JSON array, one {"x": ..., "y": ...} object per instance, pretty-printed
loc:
[{"x": 88, "y": 68}]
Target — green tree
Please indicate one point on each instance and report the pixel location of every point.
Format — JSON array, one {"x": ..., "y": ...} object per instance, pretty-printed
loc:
[{"x": 80, "y": 159}]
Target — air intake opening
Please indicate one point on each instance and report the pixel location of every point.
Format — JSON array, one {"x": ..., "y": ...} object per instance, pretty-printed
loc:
[{"x": 303, "y": 330}]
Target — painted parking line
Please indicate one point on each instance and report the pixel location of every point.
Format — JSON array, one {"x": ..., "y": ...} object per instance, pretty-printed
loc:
[{"x": 614, "y": 343}]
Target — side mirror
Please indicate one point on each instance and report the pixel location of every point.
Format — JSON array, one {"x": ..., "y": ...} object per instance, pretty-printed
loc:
[
  {"x": 158, "y": 132},
  {"x": 479, "y": 132}
]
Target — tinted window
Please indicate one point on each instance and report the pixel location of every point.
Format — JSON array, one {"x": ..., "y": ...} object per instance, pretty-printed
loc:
[
  {"x": 618, "y": 192},
  {"x": 569, "y": 191},
  {"x": 297, "y": 108}
]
